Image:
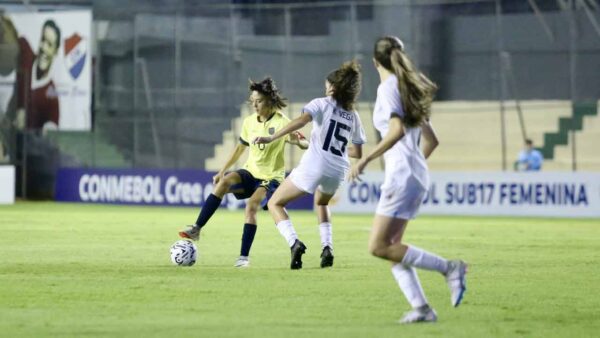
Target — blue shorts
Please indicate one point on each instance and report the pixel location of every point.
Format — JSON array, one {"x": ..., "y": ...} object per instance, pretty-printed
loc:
[{"x": 249, "y": 185}]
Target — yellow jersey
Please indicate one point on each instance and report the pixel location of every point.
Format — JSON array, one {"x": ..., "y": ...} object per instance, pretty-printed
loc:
[{"x": 265, "y": 161}]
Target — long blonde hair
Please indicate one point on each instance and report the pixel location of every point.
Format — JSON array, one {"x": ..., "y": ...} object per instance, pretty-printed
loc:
[{"x": 416, "y": 90}]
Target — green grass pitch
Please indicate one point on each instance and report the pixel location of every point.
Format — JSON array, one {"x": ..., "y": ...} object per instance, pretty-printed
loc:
[{"x": 73, "y": 270}]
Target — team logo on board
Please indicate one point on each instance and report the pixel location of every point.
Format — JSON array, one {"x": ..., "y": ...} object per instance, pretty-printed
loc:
[{"x": 75, "y": 54}]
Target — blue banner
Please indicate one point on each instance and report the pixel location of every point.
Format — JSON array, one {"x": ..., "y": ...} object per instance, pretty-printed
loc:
[
  {"x": 145, "y": 187},
  {"x": 546, "y": 194}
]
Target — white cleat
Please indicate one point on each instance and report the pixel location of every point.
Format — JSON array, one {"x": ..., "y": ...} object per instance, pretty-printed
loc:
[
  {"x": 242, "y": 262},
  {"x": 419, "y": 316},
  {"x": 455, "y": 277}
]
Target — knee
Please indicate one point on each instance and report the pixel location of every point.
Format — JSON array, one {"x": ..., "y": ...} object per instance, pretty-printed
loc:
[
  {"x": 252, "y": 208},
  {"x": 273, "y": 203},
  {"x": 223, "y": 185},
  {"x": 378, "y": 250}
]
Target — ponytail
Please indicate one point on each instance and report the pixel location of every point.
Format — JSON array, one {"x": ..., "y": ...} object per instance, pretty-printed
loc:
[
  {"x": 346, "y": 83},
  {"x": 416, "y": 90}
]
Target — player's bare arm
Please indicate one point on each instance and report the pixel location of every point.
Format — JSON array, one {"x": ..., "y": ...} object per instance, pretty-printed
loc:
[
  {"x": 295, "y": 124},
  {"x": 395, "y": 133},
  {"x": 355, "y": 151},
  {"x": 235, "y": 155},
  {"x": 430, "y": 139},
  {"x": 296, "y": 138}
]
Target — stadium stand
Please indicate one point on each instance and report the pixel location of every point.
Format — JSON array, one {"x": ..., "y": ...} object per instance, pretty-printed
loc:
[
  {"x": 586, "y": 145},
  {"x": 472, "y": 125},
  {"x": 88, "y": 149}
]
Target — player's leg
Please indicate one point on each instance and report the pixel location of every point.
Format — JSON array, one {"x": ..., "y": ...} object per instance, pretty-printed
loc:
[
  {"x": 403, "y": 203},
  {"x": 287, "y": 192},
  {"x": 325, "y": 228},
  {"x": 211, "y": 205},
  {"x": 252, "y": 207},
  {"x": 396, "y": 206},
  {"x": 385, "y": 242}
]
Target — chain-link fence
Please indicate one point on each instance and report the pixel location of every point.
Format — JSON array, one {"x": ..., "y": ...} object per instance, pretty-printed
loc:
[{"x": 170, "y": 81}]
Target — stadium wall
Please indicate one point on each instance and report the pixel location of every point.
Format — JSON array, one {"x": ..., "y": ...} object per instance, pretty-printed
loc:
[
  {"x": 488, "y": 194},
  {"x": 144, "y": 187},
  {"x": 460, "y": 193},
  {"x": 7, "y": 184}
]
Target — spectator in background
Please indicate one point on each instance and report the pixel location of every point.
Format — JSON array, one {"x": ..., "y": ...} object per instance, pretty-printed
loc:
[{"x": 530, "y": 159}]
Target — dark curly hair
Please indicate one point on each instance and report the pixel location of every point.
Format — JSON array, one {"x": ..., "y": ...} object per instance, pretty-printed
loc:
[
  {"x": 268, "y": 88},
  {"x": 346, "y": 84}
]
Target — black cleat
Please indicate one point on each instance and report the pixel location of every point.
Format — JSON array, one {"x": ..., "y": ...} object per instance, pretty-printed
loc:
[
  {"x": 298, "y": 249},
  {"x": 327, "y": 257}
]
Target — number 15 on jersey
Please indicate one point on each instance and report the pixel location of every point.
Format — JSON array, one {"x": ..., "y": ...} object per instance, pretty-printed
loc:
[{"x": 336, "y": 129}]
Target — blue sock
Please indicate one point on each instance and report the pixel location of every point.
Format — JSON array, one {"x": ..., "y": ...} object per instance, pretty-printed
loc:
[
  {"x": 247, "y": 238},
  {"x": 210, "y": 205}
]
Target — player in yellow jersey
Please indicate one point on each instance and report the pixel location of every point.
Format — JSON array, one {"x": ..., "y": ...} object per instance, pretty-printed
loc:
[{"x": 263, "y": 171}]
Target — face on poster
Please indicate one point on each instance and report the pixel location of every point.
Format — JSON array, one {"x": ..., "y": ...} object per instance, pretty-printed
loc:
[{"x": 54, "y": 51}]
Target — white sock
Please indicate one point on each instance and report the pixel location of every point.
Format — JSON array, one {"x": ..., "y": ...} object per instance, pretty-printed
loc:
[
  {"x": 407, "y": 279},
  {"x": 424, "y": 260},
  {"x": 286, "y": 229},
  {"x": 325, "y": 230}
]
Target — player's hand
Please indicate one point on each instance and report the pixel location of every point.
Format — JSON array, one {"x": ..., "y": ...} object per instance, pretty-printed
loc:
[
  {"x": 217, "y": 177},
  {"x": 357, "y": 170},
  {"x": 262, "y": 140},
  {"x": 296, "y": 137}
]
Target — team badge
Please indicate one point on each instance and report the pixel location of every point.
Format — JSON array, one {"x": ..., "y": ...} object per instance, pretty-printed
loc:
[
  {"x": 271, "y": 131},
  {"x": 75, "y": 54}
]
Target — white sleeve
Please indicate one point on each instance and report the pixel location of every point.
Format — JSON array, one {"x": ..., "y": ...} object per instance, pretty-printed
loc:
[
  {"x": 390, "y": 101},
  {"x": 314, "y": 108},
  {"x": 358, "y": 132}
]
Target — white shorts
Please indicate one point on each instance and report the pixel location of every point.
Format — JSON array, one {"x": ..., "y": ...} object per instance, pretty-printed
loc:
[
  {"x": 308, "y": 181},
  {"x": 401, "y": 201}
]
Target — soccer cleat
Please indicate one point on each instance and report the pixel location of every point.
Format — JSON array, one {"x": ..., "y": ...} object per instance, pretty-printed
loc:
[
  {"x": 327, "y": 257},
  {"x": 455, "y": 277},
  {"x": 242, "y": 262},
  {"x": 298, "y": 249},
  {"x": 427, "y": 315},
  {"x": 192, "y": 232}
]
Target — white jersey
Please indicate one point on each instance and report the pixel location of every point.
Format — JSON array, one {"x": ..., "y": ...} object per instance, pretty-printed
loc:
[
  {"x": 332, "y": 129},
  {"x": 404, "y": 160}
]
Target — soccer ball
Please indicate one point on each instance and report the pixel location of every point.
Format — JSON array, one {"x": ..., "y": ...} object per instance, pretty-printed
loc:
[{"x": 183, "y": 253}]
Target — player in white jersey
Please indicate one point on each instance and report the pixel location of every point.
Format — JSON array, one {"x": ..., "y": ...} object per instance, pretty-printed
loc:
[
  {"x": 326, "y": 162},
  {"x": 401, "y": 116}
]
